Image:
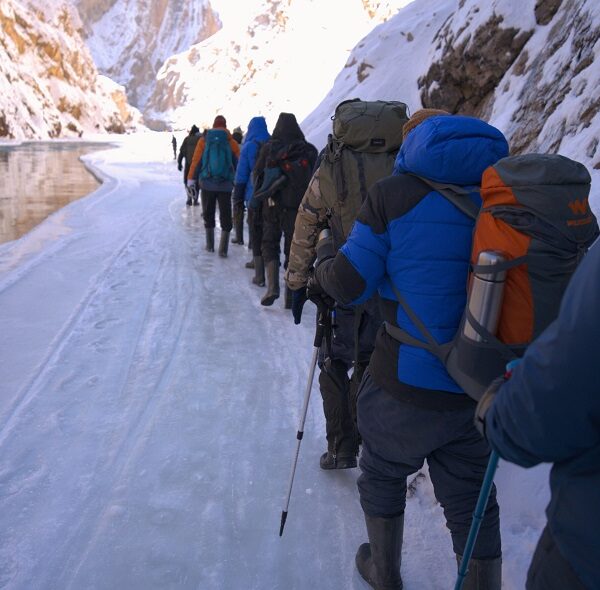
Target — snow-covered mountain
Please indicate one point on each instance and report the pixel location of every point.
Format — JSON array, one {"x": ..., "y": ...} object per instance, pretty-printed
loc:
[
  {"x": 284, "y": 59},
  {"x": 530, "y": 67},
  {"x": 130, "y": 39},
  {"x": 49, "y": 85}
]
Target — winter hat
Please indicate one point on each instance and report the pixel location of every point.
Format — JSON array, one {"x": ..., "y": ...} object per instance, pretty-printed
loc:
[
  {"x": 194, "y": 129},
  {"x": 419, "y": 117},
  {"x": 220, "y": 122}
]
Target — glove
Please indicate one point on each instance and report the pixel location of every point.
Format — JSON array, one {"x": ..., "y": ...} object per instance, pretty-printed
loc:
[
  {"x": 299, "y": 298},
  {"x": 179, "y": 167},
  {"x": 191, "y": 188},
  {"x": 318, "y": 295},
  {"x": 487, "y": 399}
]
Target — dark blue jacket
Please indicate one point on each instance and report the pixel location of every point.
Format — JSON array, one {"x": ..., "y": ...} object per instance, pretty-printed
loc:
[
  {"x": 408, "y": 233},
  {"x": 549, "y": 412},
  {"x": 257, "y": 135}
]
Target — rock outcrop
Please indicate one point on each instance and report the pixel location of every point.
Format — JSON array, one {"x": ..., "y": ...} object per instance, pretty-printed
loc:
[{"x": 49, "y": 85}]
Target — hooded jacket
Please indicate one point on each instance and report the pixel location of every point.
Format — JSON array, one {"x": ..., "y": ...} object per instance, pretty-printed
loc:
[
  {"x": 409, "y": 234},
  {"x": 549, "y": 411},
  {"x": 286, "y": 132},
  {"x": 256, "y": 136}
]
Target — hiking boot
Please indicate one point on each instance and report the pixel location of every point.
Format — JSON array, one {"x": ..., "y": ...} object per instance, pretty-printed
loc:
[
  {"x": 330, "y": 461},
  {"x": 224, "y": 244},
  {"x": 250, "y": 263},
  {"x": 259, "y": 271},
  {"x": 238, "y": 226},
  {"x": 210, "y": 239},
  {"x": 378, "y": 561},
  {"x": 483, "y": 574},
  {"x": 272, "y": 293}
]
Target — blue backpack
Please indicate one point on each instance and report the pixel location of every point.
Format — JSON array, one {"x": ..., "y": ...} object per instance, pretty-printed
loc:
[{"x": 217, "y": 158}]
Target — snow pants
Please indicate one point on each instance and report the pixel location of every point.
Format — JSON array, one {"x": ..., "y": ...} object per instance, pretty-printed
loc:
[
  {"x": 277, "y": 221},
  {"x": 351, "y": 347},
  {"x": 255, "y": 229},
  {"x": 398, "y": 437},
  {"x": 209, "y": 204},
  {"x": 549, "y": 570}
]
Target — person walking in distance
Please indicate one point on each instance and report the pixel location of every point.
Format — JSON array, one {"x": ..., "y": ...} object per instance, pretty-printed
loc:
[
  {"x": 213, "y": 166},
  {"x": 256, "y": 136},
  {"x": 286, "y": 161},
  {"x": 186, "y": 152}
]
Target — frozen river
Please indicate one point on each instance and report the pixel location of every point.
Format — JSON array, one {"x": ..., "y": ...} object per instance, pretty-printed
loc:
[{"x": 38, "y": 179}]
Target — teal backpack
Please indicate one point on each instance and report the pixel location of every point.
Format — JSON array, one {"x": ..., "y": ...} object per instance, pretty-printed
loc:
[{"x": 217, "y": 158}]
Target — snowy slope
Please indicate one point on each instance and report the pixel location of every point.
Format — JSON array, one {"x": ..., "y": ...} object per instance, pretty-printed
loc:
[
  {"x": 130, "y": 39},
  {"x": 530, "y": 68},
  {"x": 283, "y": 59},
  {"x": 148, "y": 412},
  {"x": 49, "y": 86}
]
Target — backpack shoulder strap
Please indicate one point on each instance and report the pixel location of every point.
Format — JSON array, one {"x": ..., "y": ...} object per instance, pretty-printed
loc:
[
  {"x": 432, "y": 345},
  {"x": 457, "y": 195}
]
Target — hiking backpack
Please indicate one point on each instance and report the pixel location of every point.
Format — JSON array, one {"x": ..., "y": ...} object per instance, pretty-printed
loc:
[
  {"x": 535, "y": 212},
  {"x": 361, "y": 150},
  {"x": 217, "y": 158},
  {"x": 287, "y": 172}
]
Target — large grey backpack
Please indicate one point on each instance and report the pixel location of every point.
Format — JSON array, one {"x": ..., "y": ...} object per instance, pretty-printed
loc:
[
  {"x": 361, "y": 150},
  {"x": 535, "y": 213}
]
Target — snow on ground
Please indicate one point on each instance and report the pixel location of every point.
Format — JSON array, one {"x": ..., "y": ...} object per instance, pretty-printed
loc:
[{"x": 149, "y": 406}]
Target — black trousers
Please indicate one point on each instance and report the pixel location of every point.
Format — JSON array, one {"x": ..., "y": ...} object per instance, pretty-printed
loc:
[
  {"x": 397, "y": 439},
  {"x": 351, "y": 346},
  {"x": 255, "y": 229},
  {"x": 277, "y": 221},
  {"x": 209, "y": 203},
  {"x": 549, "y": 570}
]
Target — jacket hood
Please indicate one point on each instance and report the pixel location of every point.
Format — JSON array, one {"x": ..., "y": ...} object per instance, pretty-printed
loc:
[
  {"x": 257, "y": 130},
  {"x": 451, "y": 149},
  {"x": 287, "y": 129}
]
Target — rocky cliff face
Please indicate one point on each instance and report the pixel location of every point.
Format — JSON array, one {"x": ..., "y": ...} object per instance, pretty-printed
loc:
[
  {"x": 49, "y": 86},
  {"x": 283, "y": 59},
  {"x": 131, "y": 39},
  {"x": 534, "y": 72},
  {"x": 531, "y": 68}
]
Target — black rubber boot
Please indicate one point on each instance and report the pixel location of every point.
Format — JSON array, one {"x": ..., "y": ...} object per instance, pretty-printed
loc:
[
  {"x": 331, "y": 461},
  {"x": 224, "y": 244},
  {"x": 259, "y": 271},
  {"x": 210, "y": 239},
  {"x": 238, "y": 224},
  {"x": 483, "y": 574},
  {"x": 272, "y": 268},
  {"x": 378, "y": 561},
  {"x": 288, "y": 298}
]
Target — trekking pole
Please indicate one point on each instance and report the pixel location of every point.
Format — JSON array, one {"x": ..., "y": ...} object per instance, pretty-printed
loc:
[
  {"x": 484, "y": 495},
  {"x": 485, "y": 302},
  {"x": 324, "y": 320}
]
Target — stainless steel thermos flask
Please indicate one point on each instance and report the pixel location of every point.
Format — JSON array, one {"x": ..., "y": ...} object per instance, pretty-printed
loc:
[{"x": 485, "y": 297}]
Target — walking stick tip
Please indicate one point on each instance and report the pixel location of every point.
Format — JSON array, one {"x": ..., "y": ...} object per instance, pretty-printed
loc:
[{"x": 283, "y": 519}]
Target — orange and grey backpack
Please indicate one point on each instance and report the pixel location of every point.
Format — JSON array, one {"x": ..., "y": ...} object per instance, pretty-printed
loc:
[{"x": 535, "y": 214}]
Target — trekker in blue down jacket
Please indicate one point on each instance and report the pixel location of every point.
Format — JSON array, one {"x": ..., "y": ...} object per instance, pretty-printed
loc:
[
  {"x": 256, "y": 136},
  {"x": 549, "y": 411},
  {"x": 409, "y": 409}
]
